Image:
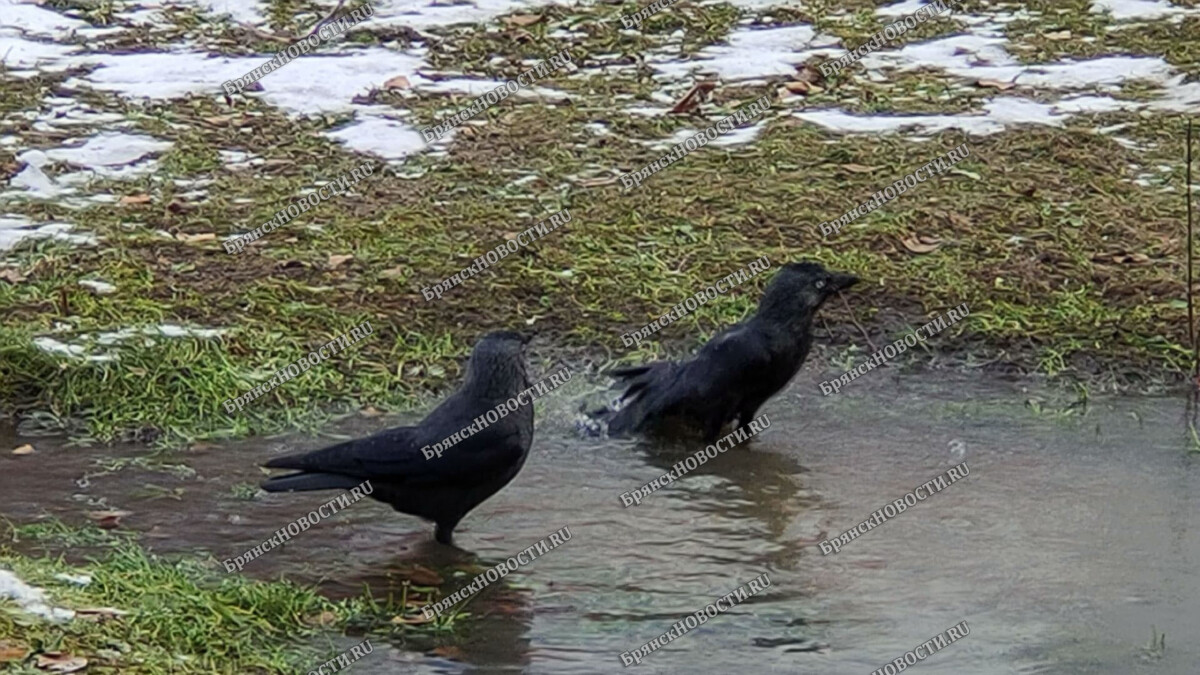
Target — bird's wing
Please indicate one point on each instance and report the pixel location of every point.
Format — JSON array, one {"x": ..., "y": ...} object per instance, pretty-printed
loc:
[
  {"x": 395, "y": 455},
  {"x": 636, "y": 378},
  {"x": 711, "y": 382}
]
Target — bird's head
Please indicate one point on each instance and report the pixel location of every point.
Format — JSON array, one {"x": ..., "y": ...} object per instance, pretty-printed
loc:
[
  {"x": 497, "y": 364},
  {"x": 800, "y": 288}
]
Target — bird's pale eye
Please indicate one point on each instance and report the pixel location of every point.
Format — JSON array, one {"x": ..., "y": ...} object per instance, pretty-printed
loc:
[{"x": 820, "y": 284}]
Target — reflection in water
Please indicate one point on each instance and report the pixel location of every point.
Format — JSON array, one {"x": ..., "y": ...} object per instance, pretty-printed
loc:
[
  {"x": 745, "y": 483},
  {"x": 1072, "y": 536}
]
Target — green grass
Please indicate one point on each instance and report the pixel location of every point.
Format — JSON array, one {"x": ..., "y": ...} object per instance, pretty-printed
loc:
[
  {"x": 180, "y": 617},
  {"x": 1032, "y": 229},
  {"x": 184, "y": 615}
]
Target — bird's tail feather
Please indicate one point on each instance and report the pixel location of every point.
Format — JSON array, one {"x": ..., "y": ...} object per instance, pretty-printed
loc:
[
  {"x": 303, "y": 482},
  {"x": 637, "y": 378},
  {"x": 298, "y": 461}
]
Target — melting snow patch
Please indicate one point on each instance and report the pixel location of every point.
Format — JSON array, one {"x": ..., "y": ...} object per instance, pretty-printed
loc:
[
  {"x": 753, "y": 54},
  {"x": 310, "y": 85},
  {"x": 53, "y": 346},
  {"x": 739, "y": 136},
  {"x": 998, "y": 114},
  {"x": 19, "y": 55},
  {"x": 100, "y": 287},
  {"x": 14, "y": 229},
  {"x": 110, "y": 155},
  {"x": 30, "y": 599},
  {"x": 66, "y": 113},
  {"x": 105, "y": 151},
  {"x": 1123, "y": 10},
  {"x": 33, "y": 20},
  {"x": 75, "y": 579},
  {"x": 423, "y": 14},
  {"x": 238, "y": 159},
  {"x": 246, "y": 11},
  {"x": 902, "y": 8},
  {"x": 380, "y": 136},
  {"x": 89, "y": 347}
]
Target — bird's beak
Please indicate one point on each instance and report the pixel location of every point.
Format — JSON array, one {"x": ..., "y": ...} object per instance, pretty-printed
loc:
[{"x": 841, "y": 282}]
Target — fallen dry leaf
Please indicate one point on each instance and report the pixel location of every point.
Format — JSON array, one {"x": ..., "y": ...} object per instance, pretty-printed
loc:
[
  {"x": 336, "y": 260},
  {"x": 959, "y": 220},
  {"x": 693, "y": 98},
  {"x": 522, "y": 35},
  {"x": 26, "y": 449},
  {"x": 1059, "y": 35},
  {"x": 802, "y": 87},
  {"x": 12, "y": 276},
  {"x": 135, "y": 199},
  {"x": 996, "y": 84},
  {"x": 392, "y": 273},
  {"x": 108, "y": 520},
  {"x": 195, "y": 238},
  {"x": 1122, "y": 258},
  {"x": 413, "y": 620},
  {"x": 921, "y": 244},
  {"x": 323, "y": 619},
  {"x": 61, "y": 663},
  {"x": 806, "y": 73},
  {"x": 397, "y": 82},
  {"x": 858, "y": 168},
  {"x": 423, "y": 576},
  {"x": 522, "y": 19},
  {"x": 12, "y": 651}
]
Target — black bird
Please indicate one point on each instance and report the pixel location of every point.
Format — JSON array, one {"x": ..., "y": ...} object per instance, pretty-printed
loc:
[
  {"x": 445, "y": 487},
  {"x": 737, "y": 370}
]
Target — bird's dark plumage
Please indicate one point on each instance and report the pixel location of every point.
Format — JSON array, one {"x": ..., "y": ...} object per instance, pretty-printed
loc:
[
  {"x": 736, "y": 371},
  {"x": 443, "y": 488}
]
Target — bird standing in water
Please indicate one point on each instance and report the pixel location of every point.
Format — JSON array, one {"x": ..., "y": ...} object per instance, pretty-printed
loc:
[
  {"x": 403, "y": 470},
  {"x": 737, "y": 370}
]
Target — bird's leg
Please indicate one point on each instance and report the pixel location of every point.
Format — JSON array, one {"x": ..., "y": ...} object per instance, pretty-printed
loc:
[
  {"x": 712, "y": 428},
  {"x": 745, "y": 415}
]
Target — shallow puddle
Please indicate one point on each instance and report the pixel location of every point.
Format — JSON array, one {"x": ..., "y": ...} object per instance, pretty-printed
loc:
[{"x": 1071, "y": 538}]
